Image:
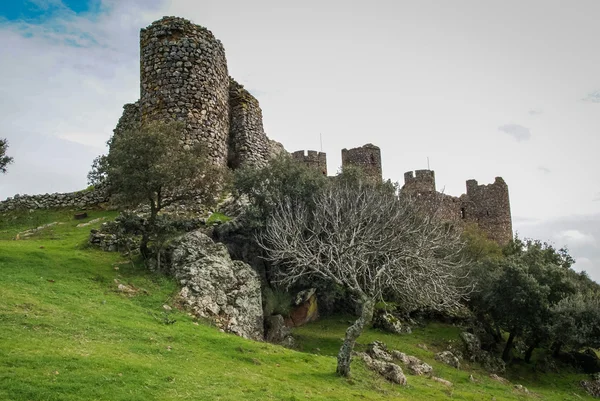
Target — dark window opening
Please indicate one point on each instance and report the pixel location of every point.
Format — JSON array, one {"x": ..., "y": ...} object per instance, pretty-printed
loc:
[
  {"x": 463, "y": 213},
  {"x": 487, "y": 212},
  {"x": 372, "y": 159}
]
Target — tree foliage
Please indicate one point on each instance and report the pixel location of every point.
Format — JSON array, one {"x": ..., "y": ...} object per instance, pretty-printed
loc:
[
  {"x": 4, "y": 159},
  {"x": 282, "y": 178},
  {"x": 363, "y": 237},
  {"x": 148, "y": 166},
  {"x": 517, "y": 293}
]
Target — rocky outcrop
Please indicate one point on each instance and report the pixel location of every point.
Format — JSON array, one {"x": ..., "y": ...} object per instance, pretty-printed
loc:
[{"x": 216, "y": 287}]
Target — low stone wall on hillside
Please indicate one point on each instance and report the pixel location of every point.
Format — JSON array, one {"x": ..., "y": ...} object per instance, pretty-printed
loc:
[{"x": 80, "y": 199}]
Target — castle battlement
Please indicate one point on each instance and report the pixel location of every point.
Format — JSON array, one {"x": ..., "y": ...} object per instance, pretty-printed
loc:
[
  {"x": 312, "y": 159},
  {"x": 420, "y": 180}
]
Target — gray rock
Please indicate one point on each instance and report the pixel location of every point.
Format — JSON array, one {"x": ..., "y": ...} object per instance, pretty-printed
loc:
[
  {"x": 216, "y": 287},
  {"x": 448, "y": 358},
  {"x": 414, "y": 364},
  {"x": 390, "y": 323},
  {"x": 277, "y": 332},
  {"x": 592, "y": 386},
  {"x": 378, "y": 350},
  {"x": 472, "y": 345},
  {"x": 388, "y": 370}
]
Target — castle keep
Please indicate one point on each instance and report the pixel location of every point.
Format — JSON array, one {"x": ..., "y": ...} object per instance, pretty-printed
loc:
[{"x": 184, "y": 77}]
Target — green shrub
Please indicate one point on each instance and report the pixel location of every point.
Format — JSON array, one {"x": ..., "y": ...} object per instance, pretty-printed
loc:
[{"x": 277, "y": 302}]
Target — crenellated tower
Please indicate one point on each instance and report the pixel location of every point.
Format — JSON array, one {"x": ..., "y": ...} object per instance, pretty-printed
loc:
[{"x": 312, "y": 159}]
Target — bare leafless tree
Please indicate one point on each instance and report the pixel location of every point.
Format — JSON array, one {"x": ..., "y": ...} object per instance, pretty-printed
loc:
[{"x": 370, "y": 241}]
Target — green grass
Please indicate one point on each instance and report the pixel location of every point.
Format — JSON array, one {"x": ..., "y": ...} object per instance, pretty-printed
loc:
[{"x": 66, "y": 333}]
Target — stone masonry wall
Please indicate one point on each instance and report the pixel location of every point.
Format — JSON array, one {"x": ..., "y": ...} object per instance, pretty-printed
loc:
[
  {"x": 183, "y": 75},
  {"x": 248, "y": 143},
  {"x": 367, "y": 157},
  {"x": 81, "y": 199},
  {"x": 487, "y": 206},
  {"x": 312, "y": 159}
]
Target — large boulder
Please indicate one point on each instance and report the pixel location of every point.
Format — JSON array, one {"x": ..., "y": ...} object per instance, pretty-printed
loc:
[
  {"x": 305, "y": 308},
  {"x": 216, "y": 287},
  {"x": 473, "y": 352},
  {"x": 472, "y": 345}
]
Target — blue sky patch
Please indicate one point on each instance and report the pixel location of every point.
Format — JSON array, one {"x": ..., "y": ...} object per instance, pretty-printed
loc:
[{"x": 40, "y": 10}]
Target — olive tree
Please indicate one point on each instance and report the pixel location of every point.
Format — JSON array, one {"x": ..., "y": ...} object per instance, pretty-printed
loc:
[
  {"x": 147, "y": 165},
  {"x": 4, "y": 159},
  {"x": 366, "y": 239}
]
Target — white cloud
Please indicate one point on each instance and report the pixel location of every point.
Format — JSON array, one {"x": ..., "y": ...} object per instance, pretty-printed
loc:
[
  {"x": 66, "y": 79},
  {"x": 593, "y": 97},
  {"x": 575, "y": 238},
  {"x": 517, "y": 131}
]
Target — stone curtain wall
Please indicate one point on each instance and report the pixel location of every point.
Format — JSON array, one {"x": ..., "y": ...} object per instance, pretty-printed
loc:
[
  {"x": 81, "y": 199},
  {"x": 312, "y": 159},
  {"x": 248, "y": 143},
  {"x": 183, "y": 76},
  {"x": 367, "y": 157},
  {"x": 488, "y": 206}
]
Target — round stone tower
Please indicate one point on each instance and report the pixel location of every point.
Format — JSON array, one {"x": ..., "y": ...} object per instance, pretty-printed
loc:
[{"x": 183, "y": 77}]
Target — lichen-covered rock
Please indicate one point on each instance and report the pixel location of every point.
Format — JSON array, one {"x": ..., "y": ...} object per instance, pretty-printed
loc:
[
  {"x": 378, "y": 350},
  {"x": 390, "y": 323},
  {"x": 277, "y": 332},
  {"x": 472, "y": 345},
  {"x": 592, "y": 386},
  {"x": 415, "y": 366},
  {"x": 215, "y": 287},
  {"x": 388, "y": 370},
  {"x": 448, "y": 358},
  {"x": 491, "y": 363}
]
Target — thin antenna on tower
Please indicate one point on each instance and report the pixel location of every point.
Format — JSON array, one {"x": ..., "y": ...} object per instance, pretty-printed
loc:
[
  {"x": 321, "y": 139},
  {"x": 427, "y": 162}
]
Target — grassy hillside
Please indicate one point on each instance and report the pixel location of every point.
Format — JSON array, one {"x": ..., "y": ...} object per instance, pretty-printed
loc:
[{"x": 67, "y": 333}]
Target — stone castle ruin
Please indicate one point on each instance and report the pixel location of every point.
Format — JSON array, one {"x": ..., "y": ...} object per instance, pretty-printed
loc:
[
  {"x": 184, "y": 77},
  {"x": 488, "y": 206}
]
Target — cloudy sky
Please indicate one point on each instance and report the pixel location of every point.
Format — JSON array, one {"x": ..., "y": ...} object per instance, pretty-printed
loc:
[{"x": 483, "y": 88}]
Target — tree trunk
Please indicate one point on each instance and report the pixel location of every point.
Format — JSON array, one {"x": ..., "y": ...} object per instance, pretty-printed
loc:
[
  {"x": 144, "y": 251},
  {"x": 556, "y": 349},
  {"x": 529, "y": 351},
  {"x": 508, "y": 347},
  {"x": 344, "y": 357}
]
